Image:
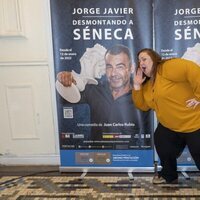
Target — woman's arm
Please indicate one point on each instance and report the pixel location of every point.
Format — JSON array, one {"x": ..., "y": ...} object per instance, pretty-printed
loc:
[{"x": 139, "y": 101}]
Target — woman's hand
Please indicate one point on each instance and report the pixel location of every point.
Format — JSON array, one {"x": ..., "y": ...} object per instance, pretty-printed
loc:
[
  {"x": 192, "y": 103},
  {"x": 66, "y": 78},
  {"x": 138, "y": 79}
]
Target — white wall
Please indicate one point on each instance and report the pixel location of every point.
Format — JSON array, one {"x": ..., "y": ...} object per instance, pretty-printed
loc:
[{"x": 28, "y": 122}]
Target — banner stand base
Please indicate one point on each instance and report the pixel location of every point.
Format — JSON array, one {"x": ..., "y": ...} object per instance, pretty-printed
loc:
[
  {"x": 130, "y": 175},
  {"x": 186, "y": 176},
  {"x": 83, "y": 175},
  {"x": 86, "y": 170}
]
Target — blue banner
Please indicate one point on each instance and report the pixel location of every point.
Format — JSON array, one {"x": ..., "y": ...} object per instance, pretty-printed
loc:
[
  {"x": 96, "y": 128},
  {"x": 177, "y": 34}
]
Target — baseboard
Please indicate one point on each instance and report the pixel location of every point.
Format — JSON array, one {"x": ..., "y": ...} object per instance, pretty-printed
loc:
[{"x": 30, "y": 160}]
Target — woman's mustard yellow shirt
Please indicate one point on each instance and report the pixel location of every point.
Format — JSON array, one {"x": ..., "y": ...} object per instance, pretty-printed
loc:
[{"x": 177, "y": 81}]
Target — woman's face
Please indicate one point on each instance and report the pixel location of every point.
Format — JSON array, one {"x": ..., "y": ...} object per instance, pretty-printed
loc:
[{"x": 145, "y": 63}]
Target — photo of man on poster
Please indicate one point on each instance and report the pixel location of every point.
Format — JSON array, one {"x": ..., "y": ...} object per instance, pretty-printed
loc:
[{"x": 113, "y": 115}]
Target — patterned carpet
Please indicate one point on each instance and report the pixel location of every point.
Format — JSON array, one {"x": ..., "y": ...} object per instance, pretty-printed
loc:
[{"x": 107, "y": 186}]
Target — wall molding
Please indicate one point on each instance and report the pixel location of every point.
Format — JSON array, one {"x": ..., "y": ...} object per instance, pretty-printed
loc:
[
  {"x": 22, "y": 115},
  {"x": 10, "y": 160},
  {"x": 24, "y": 63},
  {"x": 11, "y": 18}
]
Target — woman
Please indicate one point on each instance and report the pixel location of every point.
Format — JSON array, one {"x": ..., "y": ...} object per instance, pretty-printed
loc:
[{"x": 172, "y": 89}]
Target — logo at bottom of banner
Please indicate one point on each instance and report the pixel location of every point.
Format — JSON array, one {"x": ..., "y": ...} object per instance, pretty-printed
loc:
[{"x": 112, "y": 158}]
